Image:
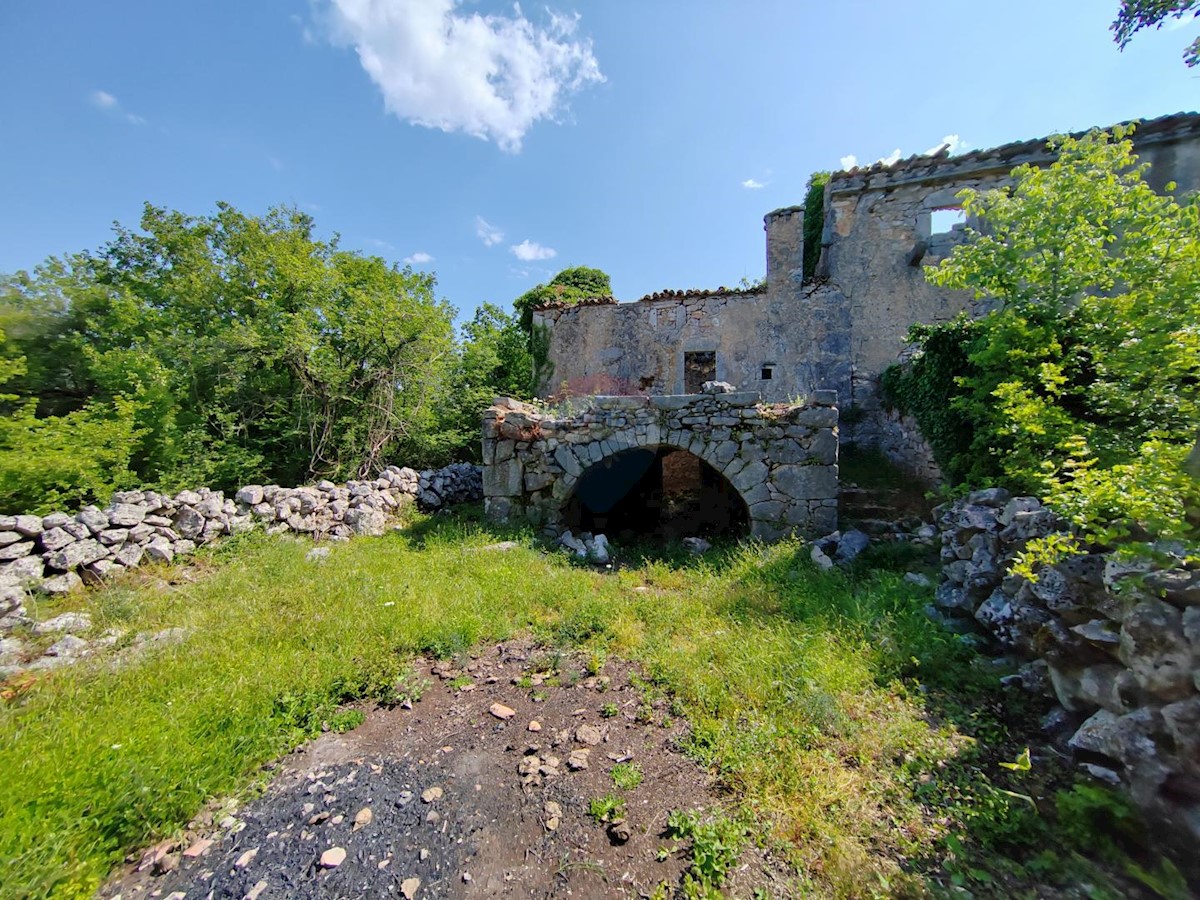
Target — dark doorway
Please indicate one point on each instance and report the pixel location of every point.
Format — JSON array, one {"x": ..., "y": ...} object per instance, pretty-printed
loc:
[
  {"x": 699, "y": 366},
  {"x": 656, "y": 492}
]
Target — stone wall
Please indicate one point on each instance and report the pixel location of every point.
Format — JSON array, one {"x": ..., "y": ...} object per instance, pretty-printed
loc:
[
  {"x": 58, "y": 553},
  {"x": 797, "y": 335},
  {"x": 1117, "y": 643},
  {"x": 878, "y": 239},
  {"x": 843, "y": 330},
  {"x": 899, "y": 438},
  {"x": 781, "y": 459}
]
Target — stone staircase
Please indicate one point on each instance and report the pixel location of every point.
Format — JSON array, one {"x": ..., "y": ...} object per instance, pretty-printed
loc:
[{"x": 877, "y": 510}]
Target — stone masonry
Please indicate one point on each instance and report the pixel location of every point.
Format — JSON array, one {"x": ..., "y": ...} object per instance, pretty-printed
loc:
[
  {"x": 843, "y": 328},
  {"x": 781, "y": 459},
  {"x": 1115, "y": 640}
]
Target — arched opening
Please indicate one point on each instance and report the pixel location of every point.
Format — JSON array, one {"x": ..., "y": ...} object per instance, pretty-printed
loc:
[{"x": 655, "y": 492}]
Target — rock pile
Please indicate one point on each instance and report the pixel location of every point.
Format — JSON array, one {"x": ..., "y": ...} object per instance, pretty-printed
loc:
[
  {"x": 1117, "y": 643},
  {"x": 57, "y": 553}
]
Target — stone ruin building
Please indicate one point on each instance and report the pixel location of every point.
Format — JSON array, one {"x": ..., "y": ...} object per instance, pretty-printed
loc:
[{"x": 830, "y": 336}]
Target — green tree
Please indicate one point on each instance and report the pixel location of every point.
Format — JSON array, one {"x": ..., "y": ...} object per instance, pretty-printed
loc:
[
  {"x": 1135, "y": 15},
  {"x": 1084, "y": 385},
  {"x": 492, "y": 359},
  {"x": 237, "y": 348},
  {"x": 568, "y": 286}
]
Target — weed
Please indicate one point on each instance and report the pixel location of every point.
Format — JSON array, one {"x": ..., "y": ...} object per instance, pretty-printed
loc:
[
  {"x": 716, "y": 844},
  {"x": 461, "y": 682},
  {"x": 344, "y": 720},
  {"x": 595, "y": 662},
  {"x": 608, "y": 808},
  {"x": 627, "y": 776},
  {"x": 609, "y": 710}
]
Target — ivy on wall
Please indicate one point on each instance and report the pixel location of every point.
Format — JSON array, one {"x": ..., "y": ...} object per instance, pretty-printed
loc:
[{"x": 814, "y": 221}]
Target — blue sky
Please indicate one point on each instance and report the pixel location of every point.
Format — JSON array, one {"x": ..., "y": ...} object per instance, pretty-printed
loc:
[{"x": 645, "y": 138}]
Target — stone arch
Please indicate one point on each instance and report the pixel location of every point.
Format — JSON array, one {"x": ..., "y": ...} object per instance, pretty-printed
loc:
[
  {"x": 654, "y": 488},
  {"x": 781, "y": 461},
  {"x": 620, "y": 444}
]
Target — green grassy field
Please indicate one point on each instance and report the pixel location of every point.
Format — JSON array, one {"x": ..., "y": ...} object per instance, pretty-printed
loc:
[{"x": 859, "y": 737}]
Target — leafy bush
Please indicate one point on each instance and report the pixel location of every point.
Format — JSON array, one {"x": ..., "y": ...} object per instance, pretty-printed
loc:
[{"x": 1083, "y": 386}]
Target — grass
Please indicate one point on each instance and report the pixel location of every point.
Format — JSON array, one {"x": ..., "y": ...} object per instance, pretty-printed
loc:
[{"x": 827, "y": 704}]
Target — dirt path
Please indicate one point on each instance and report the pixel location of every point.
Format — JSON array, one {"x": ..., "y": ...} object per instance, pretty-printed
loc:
[{"x": 449, "y": 799}]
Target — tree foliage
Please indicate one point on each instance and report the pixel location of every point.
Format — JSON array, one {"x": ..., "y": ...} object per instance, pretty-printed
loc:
[
  {"x": 493, "y": 359},
  {"x": 1138, "y": 14},
  {"x": 217, "y": 350},
  {"x": 568, "y": 286},
  {"x": 1083, "y": 386}
]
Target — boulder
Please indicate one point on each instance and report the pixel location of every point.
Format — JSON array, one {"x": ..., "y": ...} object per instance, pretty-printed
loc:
[
  {"x": 369, "y": 522},
  {"x": 853, "y": 543},
  {"x": 1154, "y": 647},
  {"x": 126, "y": 515},
  {"x": 55, "y": 539},
  {"x": 77, "y": 554},
  {"x": 189, "y": 522},
  {"x": 95, "y": 520},
  {"x": 250, "y": 495}
]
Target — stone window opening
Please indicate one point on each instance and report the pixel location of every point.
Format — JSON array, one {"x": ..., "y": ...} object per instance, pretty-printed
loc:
[
  {"x": 946, "y": 219},
  {"x": 699, "y": 366},
  {"x": 768, "y": 371}
]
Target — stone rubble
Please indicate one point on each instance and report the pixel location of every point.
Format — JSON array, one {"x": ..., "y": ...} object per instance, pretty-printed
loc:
[
  {"x": 57, "y": 553},
  {"x": 1115, "y": 641}
]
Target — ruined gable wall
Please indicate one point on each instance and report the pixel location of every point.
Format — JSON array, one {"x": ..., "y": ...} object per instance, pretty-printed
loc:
[
  {"x": 877, "y": 242},
  {"x": 639, "y": 347}
]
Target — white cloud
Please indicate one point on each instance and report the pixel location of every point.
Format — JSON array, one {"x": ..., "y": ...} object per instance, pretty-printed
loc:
[
  {"x": 103, "y": 100},
  {"x": 528, "y": 251},
  {"x": 418, "y": 259},
  {"x": 752, "y": 185},
  {"x": 306, "y": 33},
  {"x": 490, "y": 76},
  {"x": 487, "y": 232},
  {"x": 849, "y": 161},
  {"x": 891, "y": 158},
  {"x": 953, "y": 144}
]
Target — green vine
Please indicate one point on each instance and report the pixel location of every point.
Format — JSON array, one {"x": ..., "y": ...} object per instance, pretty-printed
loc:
[{"x": 814, "y": 221}]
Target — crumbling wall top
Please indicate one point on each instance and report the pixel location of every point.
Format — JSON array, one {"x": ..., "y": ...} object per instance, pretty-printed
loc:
[
  {"x": 941, "y": 166},
  {"x": 657, "y": 296}
]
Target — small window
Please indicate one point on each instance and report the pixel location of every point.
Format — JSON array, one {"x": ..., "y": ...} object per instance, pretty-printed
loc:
[
  {"x": 768, "y": 372},
  {"x": 698, "y": 367},
  {"x": 944, "y": 221}
]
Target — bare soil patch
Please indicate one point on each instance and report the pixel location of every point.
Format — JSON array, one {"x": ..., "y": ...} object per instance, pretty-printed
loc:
[{"x": 465, "y": 800}]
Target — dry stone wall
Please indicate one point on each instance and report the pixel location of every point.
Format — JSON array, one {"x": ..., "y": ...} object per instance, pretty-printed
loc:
[
  {"x": 58, "y": 553},
  {"x": 781, "y": 459},
  {"x": 1116, "y": 642}
]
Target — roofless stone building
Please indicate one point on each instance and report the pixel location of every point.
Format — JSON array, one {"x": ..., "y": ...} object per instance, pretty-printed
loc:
[{"x": 829, "y": 337}]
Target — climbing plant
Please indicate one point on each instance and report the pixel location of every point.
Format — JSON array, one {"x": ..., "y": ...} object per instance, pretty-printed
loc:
[
  {"x": 1083, "y": 385},
  {"x": 814, "y": 220}
]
